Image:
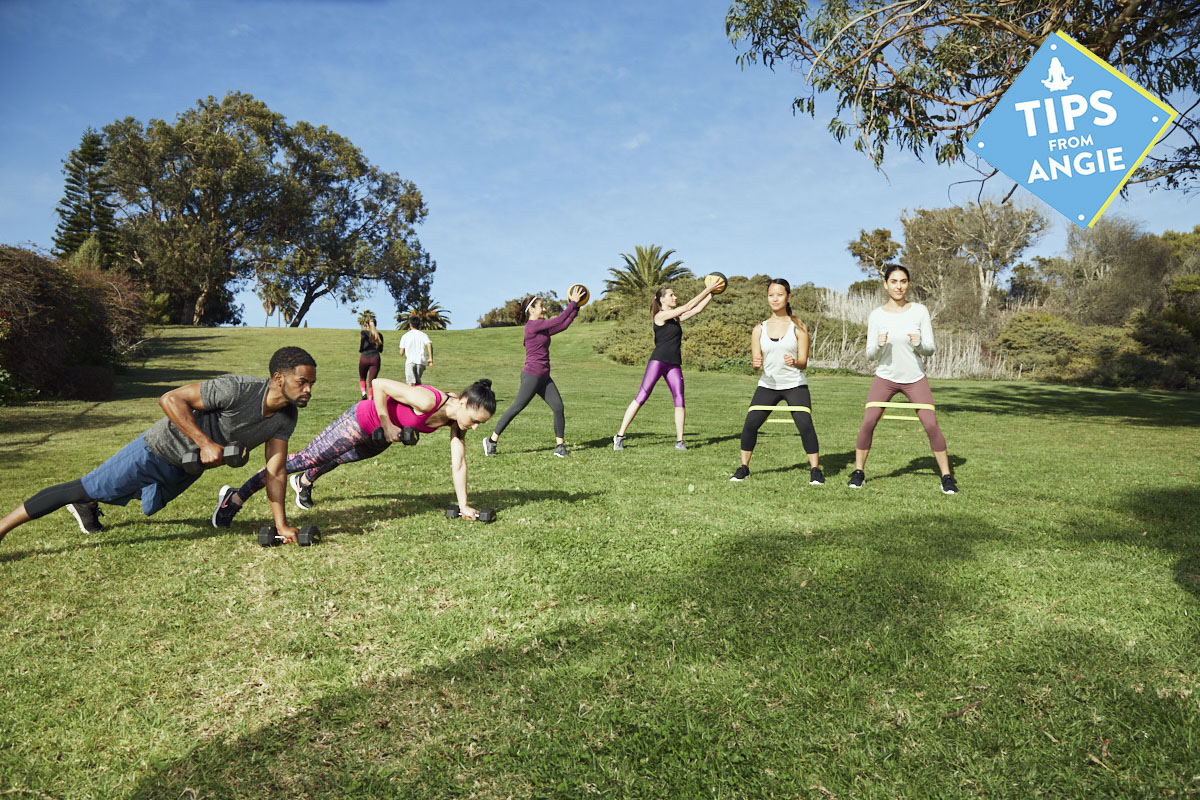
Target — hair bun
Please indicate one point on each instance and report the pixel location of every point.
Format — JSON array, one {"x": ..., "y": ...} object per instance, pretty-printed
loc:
[{"x": 486, "y": 382}]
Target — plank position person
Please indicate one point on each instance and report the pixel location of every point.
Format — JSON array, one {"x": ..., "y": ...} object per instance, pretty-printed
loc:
[
  {"x": 228, "y": 409},
  {"x": 900, "y": 334},
  {"x": 394, "y": 407}
]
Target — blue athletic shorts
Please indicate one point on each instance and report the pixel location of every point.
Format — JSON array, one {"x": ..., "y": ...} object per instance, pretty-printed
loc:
[{"x": 135, "y": 472}]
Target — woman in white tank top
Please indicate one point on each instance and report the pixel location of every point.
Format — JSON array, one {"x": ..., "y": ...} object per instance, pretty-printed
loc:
[{"x": 779, "y": 347}]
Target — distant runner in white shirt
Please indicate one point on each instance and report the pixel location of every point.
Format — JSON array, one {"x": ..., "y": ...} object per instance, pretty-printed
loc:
[
  {"x": 900, "y": 335},
  {"x": 413, "y": 346}
]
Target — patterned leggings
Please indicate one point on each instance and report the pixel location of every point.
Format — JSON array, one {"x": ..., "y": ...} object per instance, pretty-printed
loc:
[{"x": 342, "y": 442}]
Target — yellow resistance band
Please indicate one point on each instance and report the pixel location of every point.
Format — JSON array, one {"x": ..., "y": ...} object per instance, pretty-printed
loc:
[
  {"x": 917, "y": 406},
  {"x": 769, "y": 409}
]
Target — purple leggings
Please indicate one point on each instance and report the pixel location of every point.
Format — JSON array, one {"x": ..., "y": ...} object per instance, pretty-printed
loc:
[
  {"x": 342, "y": 442},
  {"x": 661, "y": 369},
  {"x": 882, "y": 390}
]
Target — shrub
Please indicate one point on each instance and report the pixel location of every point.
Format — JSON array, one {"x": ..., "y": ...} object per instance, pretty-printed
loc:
[
  {"x": 60, "y": 316},
  {"x": 506, "y": 315}
]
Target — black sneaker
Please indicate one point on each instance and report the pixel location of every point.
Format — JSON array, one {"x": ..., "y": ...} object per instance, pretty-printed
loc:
[
  {"x": 226, "y": 508},
  {"x": 364, "y": 395},
  {"x": 816, "y": 477},
  {"x": 560, "y": 450},
  {"x": 857, "y": 479},
  {"x": 948, "y": 485},
  {"x": 741, "y": 473},
  {"x": 489, "y": 446},
  {"x": 87, "y": 515},
  {"x": 618, "y": 442},
  {"x": 303, "y": 493}
]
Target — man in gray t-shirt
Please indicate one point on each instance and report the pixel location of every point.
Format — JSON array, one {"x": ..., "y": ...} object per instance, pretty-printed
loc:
[{"x": 204, "y": 417}]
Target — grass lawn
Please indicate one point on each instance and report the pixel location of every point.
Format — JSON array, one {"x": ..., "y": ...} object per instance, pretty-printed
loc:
[{"x": 634, "y": 625}]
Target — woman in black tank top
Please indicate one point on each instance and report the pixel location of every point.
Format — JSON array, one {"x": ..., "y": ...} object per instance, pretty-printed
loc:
[{"x": 666, "y": 358}]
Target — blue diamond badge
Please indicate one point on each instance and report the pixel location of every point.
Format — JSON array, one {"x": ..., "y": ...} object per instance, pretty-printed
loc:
[{"x": 1071, "y": 129}]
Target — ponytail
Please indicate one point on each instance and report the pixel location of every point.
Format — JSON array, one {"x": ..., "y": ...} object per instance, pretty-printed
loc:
[
  {"x": 374, "y": 333},
  {"x": 521, "y": 310},
  {"x": 656, "y": 303},
  {"x": 480, "y": 395}
]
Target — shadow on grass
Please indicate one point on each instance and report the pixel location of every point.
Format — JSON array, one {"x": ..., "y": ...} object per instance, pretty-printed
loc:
[
  {"x": 1166, "y": 519},
  {"x": 662, "y": 691},
  {"x": 925, "y": 464},
  {"x": 153, "y": 382},
  {"x": 38, "y": 430},
  {"x": 1143, "y": 407},
  {"x": 191, "y": 532},
  {"x": 334, "y": 522}
]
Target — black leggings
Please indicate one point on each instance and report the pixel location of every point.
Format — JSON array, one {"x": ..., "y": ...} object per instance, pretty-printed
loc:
[
  {"x": 796, "y": 396},
  {"x": 55, "y": 497},
  {"x": 541, "y": 385}
]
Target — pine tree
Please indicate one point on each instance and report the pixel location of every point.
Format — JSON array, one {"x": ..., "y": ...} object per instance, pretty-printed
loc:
[{"x": 85, "y": 209}]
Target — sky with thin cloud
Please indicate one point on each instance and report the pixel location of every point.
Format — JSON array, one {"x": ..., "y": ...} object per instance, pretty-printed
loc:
[{"x": 546, "y": 138}]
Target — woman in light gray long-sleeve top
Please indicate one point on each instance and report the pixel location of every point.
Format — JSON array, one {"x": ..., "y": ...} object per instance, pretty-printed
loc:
[{"x": 900, "y": 335}]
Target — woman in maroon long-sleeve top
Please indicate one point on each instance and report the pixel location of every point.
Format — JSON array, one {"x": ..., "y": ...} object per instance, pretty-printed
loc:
[{"x": 535, "y": 377}]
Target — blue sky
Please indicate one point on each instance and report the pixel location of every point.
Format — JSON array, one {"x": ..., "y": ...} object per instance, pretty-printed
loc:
[{"x": 547, "y": 138}]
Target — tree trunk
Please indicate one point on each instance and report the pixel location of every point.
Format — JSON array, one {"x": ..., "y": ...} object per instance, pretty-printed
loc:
[{"x": 201, "y": 305}]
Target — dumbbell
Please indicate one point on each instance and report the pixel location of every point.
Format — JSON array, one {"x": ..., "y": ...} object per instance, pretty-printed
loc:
[
  {"x": 306, "y": 536},
  {"x": 408, "y": 436},
  {"x": 234, "y": 455},
  {"x": 485, "y": 514}
]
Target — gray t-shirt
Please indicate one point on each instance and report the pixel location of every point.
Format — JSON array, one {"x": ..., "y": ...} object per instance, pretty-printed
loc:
[{"x": 233, "y": 411}]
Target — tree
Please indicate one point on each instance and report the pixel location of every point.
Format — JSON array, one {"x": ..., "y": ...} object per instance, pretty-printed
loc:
[
  {"x": 425, "y": 315},
  {"x": 86, "y": 210},
  {"x": 972, "y": 245},
  {"x": 351, "y": 223},
  {"x": 874, "y": 251},
  {"x": 1113, "y": 268},
  {"x": 646, "y": 269},
  {"x": 993, "y": 237},
  {"x": 921, "y": 74},
  {"x": 201, "y": 198}
]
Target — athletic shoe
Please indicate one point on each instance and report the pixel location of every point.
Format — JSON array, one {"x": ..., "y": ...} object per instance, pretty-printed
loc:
[
  {"x": 618, "y": 442},
  {"x": 87, "y": 515},
  {"x": 948, "y": 485},
  {"x": 680, "y": 445},
  {"x": 226, "y": 508},
  {"x": 303, "y": 493},
  {"x": 560, "y": 450},
  {"x": 489, "y": 446},
  {"x": 816, "y": 477},
  {"x": 364, "y": 395},
  {"x": 741, "y": 473},
  {"x": 857, "y": 479}
]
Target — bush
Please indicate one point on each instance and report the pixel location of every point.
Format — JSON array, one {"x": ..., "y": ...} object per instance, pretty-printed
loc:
[
  {"x": 59, "y": 316},
  {"x": 506, "y": 315},
  {"x": 1149, "y": 351}
]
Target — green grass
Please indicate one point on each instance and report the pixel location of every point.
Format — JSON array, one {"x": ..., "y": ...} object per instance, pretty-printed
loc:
[{"x": 633, "y": 625}]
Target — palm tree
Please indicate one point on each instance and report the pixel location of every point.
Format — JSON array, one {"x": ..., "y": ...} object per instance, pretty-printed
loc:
[
  {"x": 425, "y": 315},
  {"x": 645, "y": 269}
]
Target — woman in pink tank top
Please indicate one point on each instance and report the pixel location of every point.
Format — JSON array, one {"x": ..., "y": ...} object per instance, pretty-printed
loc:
[{"x": 393, "y": 407}]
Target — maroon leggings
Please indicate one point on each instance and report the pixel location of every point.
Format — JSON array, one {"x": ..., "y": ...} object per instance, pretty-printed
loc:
[
  {"x": 883, "y": 390},
  {"x": 368, "y": 368}
]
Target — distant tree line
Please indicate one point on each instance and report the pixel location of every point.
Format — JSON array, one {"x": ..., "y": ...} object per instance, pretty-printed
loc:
[
  {"x": 230, "y": 193},
  {"x": 161, "y": 222}
]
